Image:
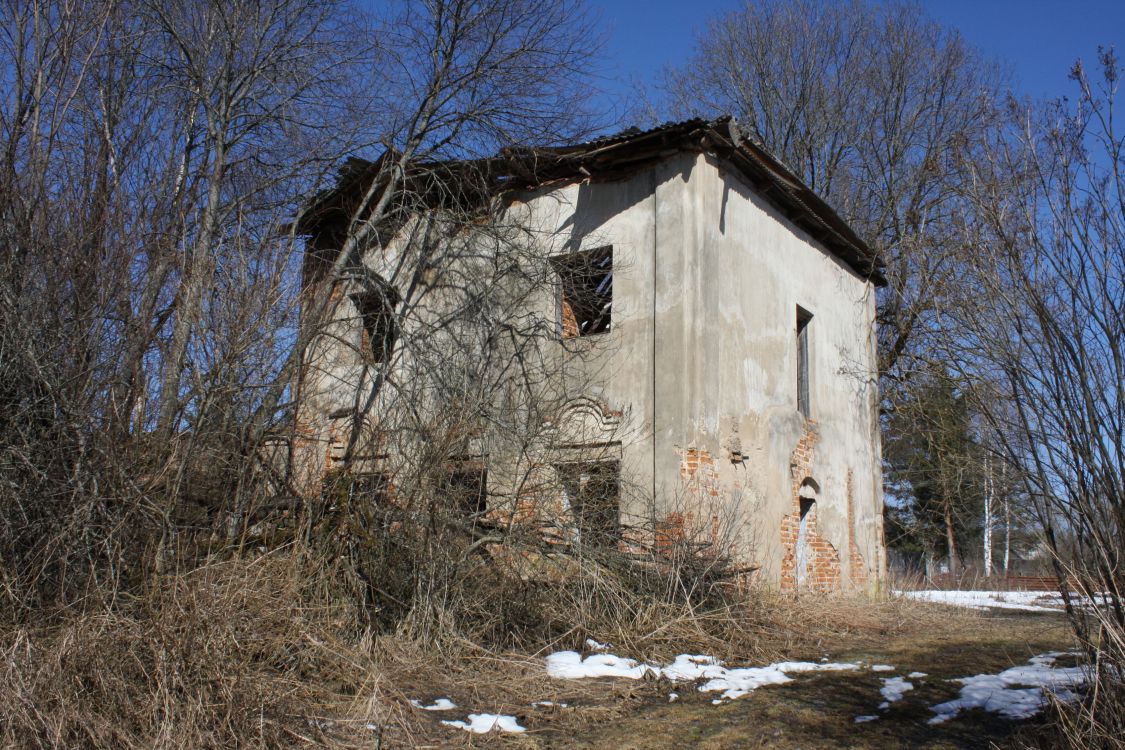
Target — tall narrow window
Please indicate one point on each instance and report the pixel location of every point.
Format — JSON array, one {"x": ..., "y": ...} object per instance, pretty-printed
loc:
[
  {"x": 804, "y": 317},
  {"x": 586, "y": 300}
]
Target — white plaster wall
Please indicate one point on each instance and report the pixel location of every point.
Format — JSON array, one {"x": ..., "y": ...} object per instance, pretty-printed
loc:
[
  {"x": 614, "y": 368},
  {"x": 751, "y": 268},
  {"x": 707, "y": 278}
]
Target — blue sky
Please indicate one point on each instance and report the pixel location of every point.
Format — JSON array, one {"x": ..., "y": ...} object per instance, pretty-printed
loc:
[{"x": 1038, "y": 39}]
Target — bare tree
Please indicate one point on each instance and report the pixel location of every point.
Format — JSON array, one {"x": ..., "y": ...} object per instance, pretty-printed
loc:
[
  {"x": 155, "y": 156},
  {"x": 873, "y": 106},
  {"x": 242, "y": 79},
  {"x": 1041, "y": 319},
  {"x": 150, "y": 153},
  {"x": 457, "y": 79}
]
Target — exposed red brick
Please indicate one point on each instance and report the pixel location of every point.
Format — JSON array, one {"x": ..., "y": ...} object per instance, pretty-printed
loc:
[
  {"x": 700, "y": 475},
  {"x": 824, "y": 573},
  {"x": 569, "y": 321},
  {"x": 669, "y": 532}
]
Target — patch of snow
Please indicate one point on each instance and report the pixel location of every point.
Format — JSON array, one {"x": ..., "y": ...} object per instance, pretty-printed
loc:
[
  {"x": 735, "y": 683},
  {"x": 893, "y": 689},
  {"x": 548, "y": 704},
  {"x": 673, "y": 697},
  {"x": 732, "y": 682},
  {"x": 882, "y": 668},
  {"x": 1028, "y": 601},
  {"x": 481, "y": 723},
  {"x": 373, "y": 727},
  {"x": 917, "y": 675},
  {"x": 865, "y": 719},
  {"x": 1002, "y": 693},
  {"x": 595, "y": 646},
  {"x": 1085, "y": 602},
  {"x": 569, "y": 665},
  {"x": 441, "y": 704},
  {"x": 808, "y": 666},
  {"x": 688, "y": 667}
]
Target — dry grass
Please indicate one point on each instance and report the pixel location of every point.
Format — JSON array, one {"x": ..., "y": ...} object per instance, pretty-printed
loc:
[
  {"x": 271, "y": 651},
  {"x": 818, "y": 710},
  {"x": 233, "y": 654},
  {"x": 942, "y": 641}
]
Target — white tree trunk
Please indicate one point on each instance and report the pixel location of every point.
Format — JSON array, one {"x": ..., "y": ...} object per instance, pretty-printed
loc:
[
  {"x": 988, "y": 519},
  {"x": 1007, "y": 526}
]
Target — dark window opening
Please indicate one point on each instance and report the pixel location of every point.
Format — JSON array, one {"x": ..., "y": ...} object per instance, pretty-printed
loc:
[
  {"x": 804, "y": 317},
  {"x": 466, "y": 490},
  {"x": 592, "y": 490},
  {"x": 376, "y": 301},
  {"x": 586, "y": 301}
]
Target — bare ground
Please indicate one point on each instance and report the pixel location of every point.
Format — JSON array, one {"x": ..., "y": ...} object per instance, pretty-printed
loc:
[{"x": 813, "y": 711}]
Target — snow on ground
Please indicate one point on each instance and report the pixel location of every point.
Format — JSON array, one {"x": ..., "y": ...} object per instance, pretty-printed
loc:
[
  {"x": 595, "y": 646},
  {"x": 732, "y": 682},
  {"x": 569, "y": 665},
  {"x": 893, "y": 689},
  {"x": 1016, "y": 693},
  {"x": 441, "y": 704},
  {"x": 1028, "y": 601},
  {"x": 481, "y": 723},
  {"x": 736, "y": 683},
  {"x": 1055, "y": 599}
]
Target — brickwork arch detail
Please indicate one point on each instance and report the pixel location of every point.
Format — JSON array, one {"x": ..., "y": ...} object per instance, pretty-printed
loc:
[{"x": 801, "y": 525}]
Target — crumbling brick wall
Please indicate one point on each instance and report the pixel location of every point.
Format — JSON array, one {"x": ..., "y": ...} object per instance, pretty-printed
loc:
[
  {"x": 569, "y": 320},
  {"x": 823, "y": 560},
  {"x": 702, "y": 487},
  {"x": 699, "y": 473}
]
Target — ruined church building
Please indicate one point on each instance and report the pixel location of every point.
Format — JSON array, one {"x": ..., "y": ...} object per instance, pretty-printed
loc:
[{"x": 732, "y": 313}]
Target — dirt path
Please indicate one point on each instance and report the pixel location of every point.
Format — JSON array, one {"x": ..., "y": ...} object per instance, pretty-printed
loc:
[{"x": 819, "y": 710}]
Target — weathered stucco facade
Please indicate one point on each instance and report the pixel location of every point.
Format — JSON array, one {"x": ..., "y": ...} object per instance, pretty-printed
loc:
[{"x": 724, "y": 308}]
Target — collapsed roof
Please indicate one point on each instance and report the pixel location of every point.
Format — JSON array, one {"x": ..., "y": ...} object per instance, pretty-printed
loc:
[{"x": 604, "y": 159}]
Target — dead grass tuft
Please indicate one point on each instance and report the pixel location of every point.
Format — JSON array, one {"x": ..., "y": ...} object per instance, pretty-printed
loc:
[
  {"x": 276, "y": 651},
  {"x": 242, "y": 653}
]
